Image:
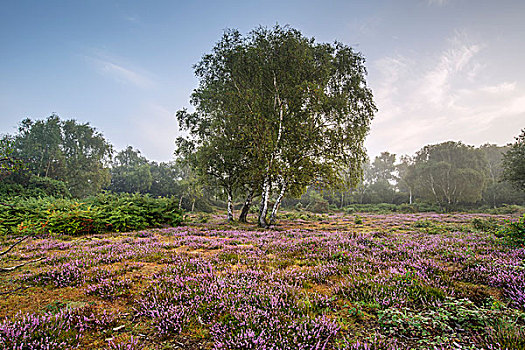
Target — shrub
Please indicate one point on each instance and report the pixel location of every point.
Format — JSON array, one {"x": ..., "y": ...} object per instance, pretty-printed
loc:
[
  {"x": 487, "y": 225},
  {"x": 105, "y": 212},
  {"x": 514, "y": 230}
]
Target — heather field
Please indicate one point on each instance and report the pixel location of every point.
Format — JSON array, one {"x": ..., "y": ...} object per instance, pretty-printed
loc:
[{"x": 398, "y": 281}]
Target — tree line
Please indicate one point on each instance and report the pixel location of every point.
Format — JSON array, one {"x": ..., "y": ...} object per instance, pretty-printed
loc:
[
  {"x": 65, "y": 158},
  {"x": 449, "y": 175},
  {"x": 69, "y": 159}
]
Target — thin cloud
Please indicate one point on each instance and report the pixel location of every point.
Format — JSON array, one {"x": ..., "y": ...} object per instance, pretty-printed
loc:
[
  {"x": 437, "y": 2},
  {"x": 121, "y": 73},
  {"x": 449, "y": 96}
]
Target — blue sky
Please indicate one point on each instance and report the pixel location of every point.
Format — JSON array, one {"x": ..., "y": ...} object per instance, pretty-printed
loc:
[{"x": 439, "y": 69}]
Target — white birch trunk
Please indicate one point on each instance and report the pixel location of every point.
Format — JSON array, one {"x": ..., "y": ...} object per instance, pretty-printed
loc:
[
  {"x": 277, "y": 203},
  {"x": 275, "y": 153},
  {"x": 264, "y": 202},
  {"x": 230, "y": 206}
]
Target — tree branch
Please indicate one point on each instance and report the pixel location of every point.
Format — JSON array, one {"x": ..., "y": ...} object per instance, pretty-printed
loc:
[
  {"x": 14, "y": 290},
  {"x": 14, "y": 245},
  {"x": 12, "y": 268}
]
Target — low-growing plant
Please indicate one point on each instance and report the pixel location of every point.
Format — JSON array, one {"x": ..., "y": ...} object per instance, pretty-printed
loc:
[
  {"x": 110, "y": 289},
  {"x": 514, "y": 231},
  {"x": 61, "y": 330},
  {"x": 503, "y": 335},
  {"x": 487, "y": 225}
]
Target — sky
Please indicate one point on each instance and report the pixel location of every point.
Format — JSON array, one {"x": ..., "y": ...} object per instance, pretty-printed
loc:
[{"x": 439, "y": 70}]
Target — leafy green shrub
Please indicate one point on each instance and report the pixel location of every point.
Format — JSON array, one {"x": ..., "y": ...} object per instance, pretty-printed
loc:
[
  {"x": 105, "y": 212},
  {"x": 514, "y": 230},
  {"x": 34, "y": 186},
  {"x": 487, "y": 225},
  {"x": 508, "y": 209},
  {"x": 504, "y": 335},
  {"x": 442, "y": 320},
  {"x": 319, "y": 206},
  {"x": 349, "y": 210},
  {"x": 423, "y": 224},
  {"x": 407, "y": 208}
]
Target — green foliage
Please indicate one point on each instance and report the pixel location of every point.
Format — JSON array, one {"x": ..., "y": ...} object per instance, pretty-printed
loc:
[
  {"x": 504, "y": 335},
  {"x": 514, "y": 230},
  {"x": 514, "y": 162},
  {"x": 487, "y": 225},
  {"x": 8, "y": 163},
  {"x": 448, "y": 173},
  {"x": 507, "y": 209},
  {"x": 453, "y": 319},
  {"x": 130, "y": 172},
  {"x": 63, "y": 150},
  {"x": 34, "y": 186},
  {"x": 105, "y": 212},
  {"x": 441, "y": 320}
]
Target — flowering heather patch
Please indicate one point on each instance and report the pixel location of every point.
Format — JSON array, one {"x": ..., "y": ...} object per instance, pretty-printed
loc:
[
  {"x": 131, "y": 344},
  {"x": 51, "y": 331},
  {"x": 402, "y": 281},
  {"x": 110, "y": 288},
  {"x": 63, "y": 275}
]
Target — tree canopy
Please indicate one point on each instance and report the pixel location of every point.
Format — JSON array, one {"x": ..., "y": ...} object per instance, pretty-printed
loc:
[
  {"x": 514, "y": 162},
  {"x": 448, "y": 173},
  {"x": 130, "y": 172},
  {"x": 64, "y": 150},
  {"x": 275, "y": 111}
]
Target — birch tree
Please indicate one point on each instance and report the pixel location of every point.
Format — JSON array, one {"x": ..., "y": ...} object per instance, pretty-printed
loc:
[
  {"x": 292, "y": 110},
  {"x": 449, "y": 173}
]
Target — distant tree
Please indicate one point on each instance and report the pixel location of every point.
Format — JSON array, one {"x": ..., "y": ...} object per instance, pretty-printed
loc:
[
  {"x": 190, "y": 188},
  {"x": 74, "y": 153},
  {"x": 449, "y": 173},
  {"x": 406, "y": 181},
  {"x": 38, "y": 143},
  {"x": 514, "y": 162},
  {"x": 165, "y": 179},
  {"x": 383, "y": 173},
  {"x": 498, "y": 191},
  {"x": 361, "y": 193},
  {"x": 87, "y": 156},
  {"x": 8, "y": 163},
  {"x": 217, "y": 152},
  {"x": 384, "y": 168},
  {"x": 130, "y": 172},
  {"x": 275, "y": 112}
]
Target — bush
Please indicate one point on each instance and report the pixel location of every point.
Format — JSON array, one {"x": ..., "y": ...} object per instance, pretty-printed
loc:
[
  {"x": 514, "y": 230},
  {"x": 34, "y": 186},
  {"x": 487, "y": 225},
  {"x": 105, "y": 212}
]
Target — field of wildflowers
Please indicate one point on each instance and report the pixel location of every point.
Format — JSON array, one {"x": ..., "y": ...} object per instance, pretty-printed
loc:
[{"x": 399, "y": 281}]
